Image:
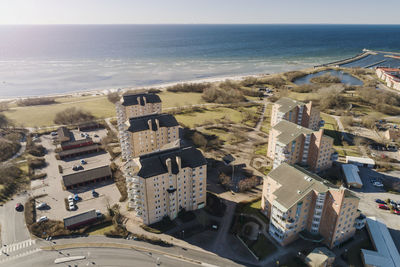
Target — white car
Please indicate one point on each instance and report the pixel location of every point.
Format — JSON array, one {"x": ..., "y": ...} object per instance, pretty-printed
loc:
[
  {"x": 99, "y": 214},
  {"x": 71, "y": 206},
  {"x": 42, "y": 219},
  {"x": 378, "y": 184},
  {"x": 41, "y": 205},
  {"x": 70, "y": 198}
]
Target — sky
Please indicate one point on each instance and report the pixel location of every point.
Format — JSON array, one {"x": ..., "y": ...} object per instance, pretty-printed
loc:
[{"x": 199, "y": 12}]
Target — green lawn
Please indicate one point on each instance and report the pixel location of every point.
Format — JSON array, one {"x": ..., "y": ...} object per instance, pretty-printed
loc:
[
  {"x": 261, "y": 150},
  {"x": 354, "y": 253},
  {"x": 262, "y": 247},
  {"x": 43, "y": 115},
  {"x": 266, "y": 124},
  {"x": 253, "y": 208},
  {"x": 101, "y": 229},
  {"x": 170, "y": 99},
  {"x": 209, "y": 115}
]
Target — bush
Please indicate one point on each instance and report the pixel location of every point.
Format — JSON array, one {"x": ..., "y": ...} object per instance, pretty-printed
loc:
[
  {"x": 36, "y": 150},
  {"x": 325, "y": 78},
  {"x": 203, "y": 141},
  {"x": 60, "y": 169},
  {"x": 36, "y": 101},
  {"x": 293, "y": 75},
  {"x": 73, "y": 116},
  {"x": 8, "y": 149},
  {"x": 188, "y": 87},
  {"x": 38, "y": 176},
  {"x": 222, "y": 96},
  {"x": 113, "y": 97},
  {"x": 275, "y": 81},
  {"x": 4, "y": 122},
  {"x": 36, "y": 163}
]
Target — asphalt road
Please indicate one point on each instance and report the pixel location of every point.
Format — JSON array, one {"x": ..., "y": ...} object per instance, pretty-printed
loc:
[
  {"x": 100, "y": 257},
  {"x": 13, "y": 228}
]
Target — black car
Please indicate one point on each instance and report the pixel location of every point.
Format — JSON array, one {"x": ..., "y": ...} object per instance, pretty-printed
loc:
[
  {"x": 19, "y": 207},
  {"x": 380, "y": 201}
]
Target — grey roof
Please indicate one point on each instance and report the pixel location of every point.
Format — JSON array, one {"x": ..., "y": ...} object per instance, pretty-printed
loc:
[
  {"x": 290, "y": 131},
  {"x": 296, "y": 183},
  {"x": 287, "y": 104},
  {"x": 319, "y": 256},
  {"x": 63, "y": 134},
  {"x": 155, "y": 164},
  {"x": 141, "y": 123},
  {"x": 387, "y": 254},
  {"x": 79, "y": 218},
  {"x": 351, "y": 174},
  {"x": 86, "y": 175},
  {"x": 131, "y": 100},
  {"x": 78, "y": 150}
]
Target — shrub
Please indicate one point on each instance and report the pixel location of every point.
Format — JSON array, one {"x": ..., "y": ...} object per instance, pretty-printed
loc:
[
  {"x": 36, "y": 163},
  {"x": 293, "y": 75},
  {"x": 73, "y": 116},
  {"x": 38, "y": 176},
  {"x": 8, "y": 149},
  {"x": 113, "y": 97},
  {"x": 60, "y": 169},
  {"x": 36, "y": 150},
  {"x": 4, "y": 122},
  {"x": 36, "y": 101},
  {"x": 222, "y": 96},
  {"x": 188, "y": 87},
  {"x": 275, "y": 81}
]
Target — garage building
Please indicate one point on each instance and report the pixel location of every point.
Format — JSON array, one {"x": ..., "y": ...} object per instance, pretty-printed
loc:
[
  {"x": 86, "y": 177},
  {"x": 81, "y": 219},
  {"x": 351, "y": 175},
  {"x": 360, "y": 162},
  {"x": 75, "y": 152}
]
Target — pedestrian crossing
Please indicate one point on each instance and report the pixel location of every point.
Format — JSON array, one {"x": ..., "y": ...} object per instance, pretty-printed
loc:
[
  {"x": 16, "y": 256},
  {"x": 17, "y": 246}
]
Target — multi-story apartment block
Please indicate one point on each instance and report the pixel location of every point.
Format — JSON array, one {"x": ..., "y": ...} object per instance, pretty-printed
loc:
[
  {"x": 297, "y": 112},
  {"x": 161, "y": 184},
  {"x": 313, "y": 209},
  {"x": 137, "y": 105},
  {"x": 146, "y": 134},
  {"x": 292, "y": 143}
]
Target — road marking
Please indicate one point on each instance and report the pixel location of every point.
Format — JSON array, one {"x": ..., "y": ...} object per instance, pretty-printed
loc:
[
  {"x": 17, "y": 246},
  {"x": 26, "y": 253}
]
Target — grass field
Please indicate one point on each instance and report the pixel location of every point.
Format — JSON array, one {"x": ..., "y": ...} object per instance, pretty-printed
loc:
[
  {"x": 209, "y": 115},
  {"x": 266, "y": 124},
  {"x": 40, "y": 116},
  {"x": 180, "y": 99}
]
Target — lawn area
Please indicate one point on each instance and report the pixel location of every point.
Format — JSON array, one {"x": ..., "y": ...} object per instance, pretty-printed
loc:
[
  {"x": 222, "y": 135},
  {"x": 170, "y": 99},
  {"x": 266, "y": 124},
  {"x": 304, "y": 96},
  {"x": 261, "y": 150},
  {"x": 209, "y": 115},
  {"x": 43, "y": 115},
  {"x": 253, "y": 208},
  {"x": 262, "y": 247},
  {"x": 100, "y": 229}
]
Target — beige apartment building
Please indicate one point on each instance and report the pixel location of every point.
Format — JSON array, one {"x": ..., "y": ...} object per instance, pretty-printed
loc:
[
  {"x": 313, "y": 209},
  {"x": 294, "y": 144},
  {"x": 137, "y": 105},
  {"x": 147, "y": 134},
  {"x": 161, "y": 184},
  {"x": 297, "y": 112}
]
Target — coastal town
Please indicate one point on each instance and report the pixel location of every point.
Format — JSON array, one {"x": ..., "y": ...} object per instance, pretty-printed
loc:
[{"x": 292, "y": 169}]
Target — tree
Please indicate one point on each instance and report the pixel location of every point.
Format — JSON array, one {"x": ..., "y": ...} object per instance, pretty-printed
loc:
[
  {"x": 72, "y": 116},
  {"x": 4, "y": 122},
  {"x": 225, "y": 180},
  {"x": 113, "y": 97}
]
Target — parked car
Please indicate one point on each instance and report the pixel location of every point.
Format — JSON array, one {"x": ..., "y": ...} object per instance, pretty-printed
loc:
[
  {"x": 70, "y": 198},
  {"x": 94, "y": 193},
  {"x": 19, "y": 207},
  {"x": 99, "y": 214},
  {"x": 380, "y": 201},
  {"x": 41, "y": 205},
  {"x": 83, "y": 161},
  {"x": 42, "y": 219},
  {"x": 383, "y": 206},
  {"x": 378, "y": 184},
  {"x": 53, "y": 133},
  {"x": 72, "y": 206},
  {"x": 96, "y": 135},
  {"x": 396, "y": 212},
  {"x": 76, "y": 197},
  {"x": 82, "y": 135}
]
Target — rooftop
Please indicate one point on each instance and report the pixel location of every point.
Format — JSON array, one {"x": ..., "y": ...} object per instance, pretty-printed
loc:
[
  {"x": 86, "y": 175},
  {"x": 288, "y": 176},
  {"x": 287, "y": 104},
  {"x": 319, "y": 256},
  {"x": 136, "y": 99},
  {"x": 360, "y": 160},
  {"x": 351, "y": 174},
  {"x": 290, "y": 131},
  {"x": 155, "y": 164},
  {"x": 387, "y": 254},
  {"x": 142, "y": 123},
  {"x": 79, "y": 218}
]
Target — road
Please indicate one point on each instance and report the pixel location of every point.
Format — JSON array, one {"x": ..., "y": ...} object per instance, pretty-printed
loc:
[{"x": 13, "y": 228}]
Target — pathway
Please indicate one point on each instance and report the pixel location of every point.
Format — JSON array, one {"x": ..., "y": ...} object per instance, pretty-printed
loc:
[{"x": 259, "y": 123}]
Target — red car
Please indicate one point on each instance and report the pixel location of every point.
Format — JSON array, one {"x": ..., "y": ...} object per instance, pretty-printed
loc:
[
  {"x": 397, "y": 212},
  {"x": 383, "y": 206}
]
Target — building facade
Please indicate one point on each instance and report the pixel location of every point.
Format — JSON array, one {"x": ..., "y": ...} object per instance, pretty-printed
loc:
[
  {"x": 148, "y": 134},
  {"x": 314, "y": 209},
  {"x": 390, "y": 76},
  {"x": 161, "y": 184},
  {"x": 297, "y": 112},
  {"x": 294, "y": 144},
  {"x": 137, "y": 105}
]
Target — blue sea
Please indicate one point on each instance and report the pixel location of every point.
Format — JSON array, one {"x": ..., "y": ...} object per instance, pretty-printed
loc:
[{"x": 44, "y": 59}]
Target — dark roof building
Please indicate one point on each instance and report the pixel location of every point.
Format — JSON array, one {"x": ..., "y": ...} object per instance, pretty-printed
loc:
[
  {"x": 140, "y": 99},
  {"x": 74, "y": 152},
  {"x": 152, "y": 122},
  {"x": 80, "y": 219},
  {"x": 77, "y": 143},
  {"x": 156, "y": 163},
  {"x": 64, "y": 135},
  {"x": 81, "y": 178}
]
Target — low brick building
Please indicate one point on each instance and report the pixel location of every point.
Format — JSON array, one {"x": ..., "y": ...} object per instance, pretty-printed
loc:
[
  {"x": 86, "y": 177},
  {"x": 79, "y": 220}
]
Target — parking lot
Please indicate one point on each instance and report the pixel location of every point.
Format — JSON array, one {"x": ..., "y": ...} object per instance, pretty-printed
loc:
[
  {"x": 369, "y": 207},
  {"x": 52, "y": 188}
]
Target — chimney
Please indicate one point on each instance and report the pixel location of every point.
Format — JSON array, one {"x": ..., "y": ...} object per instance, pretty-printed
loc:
[
  {"x": 168, "y": 163},
  {"x": 138, "y": 100},
  {"x": 179, "y": 163},
  {"x": 158, "y": 124},
  {"x": 144, "y": 100},
  {"x": 150, "y": 125}
]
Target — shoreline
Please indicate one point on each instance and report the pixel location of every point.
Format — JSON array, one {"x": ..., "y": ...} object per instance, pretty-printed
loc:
[{"x": 161, "y": 86}]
